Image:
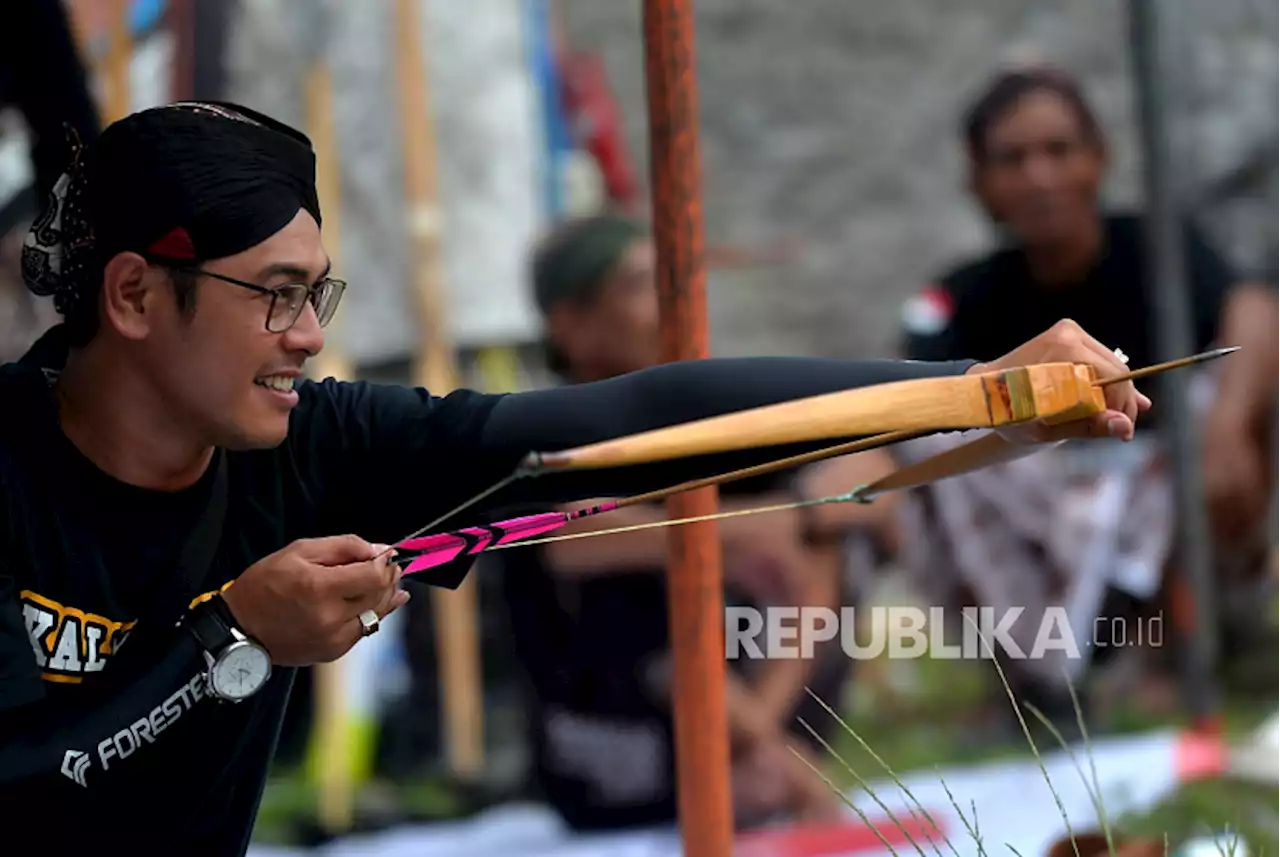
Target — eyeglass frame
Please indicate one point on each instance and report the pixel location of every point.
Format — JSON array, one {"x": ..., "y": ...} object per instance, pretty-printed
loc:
[{"x": 274, "y": 292}]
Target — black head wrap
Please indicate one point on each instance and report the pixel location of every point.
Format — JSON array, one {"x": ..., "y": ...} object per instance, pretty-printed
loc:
[
  {"x": 573, "y": 262},
  {"x": 189, "y": 182}
]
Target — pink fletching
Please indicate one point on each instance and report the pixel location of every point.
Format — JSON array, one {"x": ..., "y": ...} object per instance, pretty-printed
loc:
[
  {"x": 441, "y": 548},
  {"x": 438, "y": 555},
  {"x": 439, "y": 541},
  {"x": 529, "y": 526}
]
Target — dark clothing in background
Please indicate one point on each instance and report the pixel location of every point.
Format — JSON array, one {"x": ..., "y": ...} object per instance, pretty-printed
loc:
[
  {"x": 601, "y": 735},
  {"x": 43, "y": 76},
  {"x": 988, "y": 307}
]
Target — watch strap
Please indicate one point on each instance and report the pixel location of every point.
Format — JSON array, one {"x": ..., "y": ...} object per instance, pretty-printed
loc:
[{"x": 210, "y": 622}]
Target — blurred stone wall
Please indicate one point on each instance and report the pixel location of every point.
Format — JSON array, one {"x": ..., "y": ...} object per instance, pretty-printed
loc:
[
  {"x": 831, "y": 120},
  {"x": 485, "y": 120},
  {"x": 836, "y": 120}
]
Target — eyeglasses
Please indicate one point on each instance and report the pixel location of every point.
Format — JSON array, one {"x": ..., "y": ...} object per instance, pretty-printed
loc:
[{"x": 287, "y": 300}]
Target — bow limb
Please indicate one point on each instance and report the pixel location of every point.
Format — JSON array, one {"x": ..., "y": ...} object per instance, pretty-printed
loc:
[
  {"x": 1050, "y": 390},
  {"x": 986, "y": 451}
]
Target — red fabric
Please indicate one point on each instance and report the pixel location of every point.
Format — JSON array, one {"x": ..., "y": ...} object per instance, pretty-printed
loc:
[
  {"x": 839, "y": 840},
  {"x": 176, "y": 244},
  {"x": 596, "y": 123}
]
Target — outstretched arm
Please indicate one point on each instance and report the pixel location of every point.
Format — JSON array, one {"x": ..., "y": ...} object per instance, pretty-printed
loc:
[
  {"x": 564, "y": 417},
  {"x": 389, "y": 459},
  {"x": 386, "y": 460}
]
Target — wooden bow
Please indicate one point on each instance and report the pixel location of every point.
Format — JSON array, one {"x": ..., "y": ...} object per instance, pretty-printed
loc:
[
  {"x": 1051, "y": 393},
  {"x": 1048, "y": 392}
]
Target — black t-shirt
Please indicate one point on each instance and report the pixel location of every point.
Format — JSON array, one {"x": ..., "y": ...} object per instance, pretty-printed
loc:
[
  {"x": 988, "y": 307},
  {"x": 117, "y": 744},
  {"x": 169, "y": 770},
  {"x": 602, "y": 737}
]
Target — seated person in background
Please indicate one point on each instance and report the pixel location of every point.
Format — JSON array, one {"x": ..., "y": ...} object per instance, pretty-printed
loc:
[
  {"x": 1037, "y": 158},
  {"x": 589, "y": 616}
]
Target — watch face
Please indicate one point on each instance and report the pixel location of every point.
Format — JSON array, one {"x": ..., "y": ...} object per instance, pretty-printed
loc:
[{"x": 241, "y": 671}]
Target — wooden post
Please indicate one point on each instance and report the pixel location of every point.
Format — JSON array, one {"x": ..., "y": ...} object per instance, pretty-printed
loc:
[
  {"x": 180, "y": 21},
  {"x": 694, "y": 574},
  {"x": 455, "y": 612},
  {"x": 331, "y": 731},
  {"x": 118, "y": 62}
]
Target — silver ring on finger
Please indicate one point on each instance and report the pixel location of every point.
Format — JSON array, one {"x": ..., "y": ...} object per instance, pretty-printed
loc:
[{"x": 368, "y": 623}]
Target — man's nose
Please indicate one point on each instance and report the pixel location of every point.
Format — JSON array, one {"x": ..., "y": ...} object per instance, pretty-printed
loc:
[
  {"x": 306, "y": 335},
  {"x": 1041, "y": 169}
]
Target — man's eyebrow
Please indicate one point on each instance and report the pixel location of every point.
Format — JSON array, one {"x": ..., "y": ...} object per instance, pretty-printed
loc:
[{"x": 301, "y": 273}]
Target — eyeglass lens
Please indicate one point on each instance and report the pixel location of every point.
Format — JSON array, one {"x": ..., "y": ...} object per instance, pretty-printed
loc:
[{"x": 291, "y": 299}]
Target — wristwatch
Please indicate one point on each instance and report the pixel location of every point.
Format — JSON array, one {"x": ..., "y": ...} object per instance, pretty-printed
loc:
[{"x": 238, "y": 666}]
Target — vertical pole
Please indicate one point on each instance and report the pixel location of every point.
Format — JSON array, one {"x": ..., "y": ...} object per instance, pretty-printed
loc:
[
  {"x": 694, "y": 574},
  {"x": 118, "y": 63},
  {"x": 455, "y": 612},
  {"x": 180, "y": 19},
  {"x": 1194, "y": 601},
  {"x": 330, "y": 753}
]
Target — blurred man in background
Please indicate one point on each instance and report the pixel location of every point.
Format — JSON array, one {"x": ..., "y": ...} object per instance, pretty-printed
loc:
[
  {"x": 589, "y": 616},
  {"x": 1094, "y": 518}
]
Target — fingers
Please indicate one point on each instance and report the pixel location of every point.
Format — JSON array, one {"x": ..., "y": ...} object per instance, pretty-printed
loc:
[
  {"x": 1109, "y": 424},
  {"x": 380, "y": 600},
  {"x": 353, "y": 628},
  {"x": 333, "y": 550},
  {"x": 356, "y": 581},
  {"x": 1120, "y": 397}
]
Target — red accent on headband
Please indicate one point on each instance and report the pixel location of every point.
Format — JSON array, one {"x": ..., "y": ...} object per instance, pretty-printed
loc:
[{"x": 177, "y": 244}]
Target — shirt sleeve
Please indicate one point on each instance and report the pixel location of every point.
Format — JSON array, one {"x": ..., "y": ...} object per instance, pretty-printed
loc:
[{"x": 402, "y": 457}]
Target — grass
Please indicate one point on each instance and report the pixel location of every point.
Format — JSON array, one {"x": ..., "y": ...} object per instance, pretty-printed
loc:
[
  {"x": 932, "y": 724},
  {"x": 866, "y": 742}
]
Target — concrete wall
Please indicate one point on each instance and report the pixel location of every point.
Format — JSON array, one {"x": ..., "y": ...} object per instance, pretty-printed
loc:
[
  {"x": 485, "y": 118},
  {"x": 836, "y": 120},
  {"x": 831, "y": 120}
]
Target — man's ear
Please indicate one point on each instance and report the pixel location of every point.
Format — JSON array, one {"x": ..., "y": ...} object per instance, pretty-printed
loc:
[{"x": 129, "y": 295}]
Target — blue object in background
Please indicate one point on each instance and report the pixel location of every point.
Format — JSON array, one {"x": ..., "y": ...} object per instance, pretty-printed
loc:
[
  {"x": 145, "y": 15},
  {"x": 546, "y": 76}
]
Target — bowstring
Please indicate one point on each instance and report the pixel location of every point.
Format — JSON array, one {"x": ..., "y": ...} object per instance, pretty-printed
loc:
[
  {"x": 466, "y": 504},
  {"x": 885, "y": 439},
  {"x": 854, "y": 496}
]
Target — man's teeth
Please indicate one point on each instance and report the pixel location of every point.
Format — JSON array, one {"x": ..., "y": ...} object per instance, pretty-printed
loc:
[{"x": 276, "y": 382}]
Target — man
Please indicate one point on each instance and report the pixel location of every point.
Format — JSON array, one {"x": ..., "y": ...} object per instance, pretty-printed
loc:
[
  {"x": 589, "y": 616},
  {"x": 185, "y": 520},
  {"x": 1037, "y": 157}
]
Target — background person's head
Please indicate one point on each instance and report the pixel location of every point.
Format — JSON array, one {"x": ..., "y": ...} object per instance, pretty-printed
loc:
[
  {"x": 179, "y": 250},
  {"x": 594, "y": 283},
  {"x": 1037, "y": 156}
]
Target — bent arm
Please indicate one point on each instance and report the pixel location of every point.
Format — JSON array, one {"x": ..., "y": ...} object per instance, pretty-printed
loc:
[{"x": 1248, "y": 388}]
